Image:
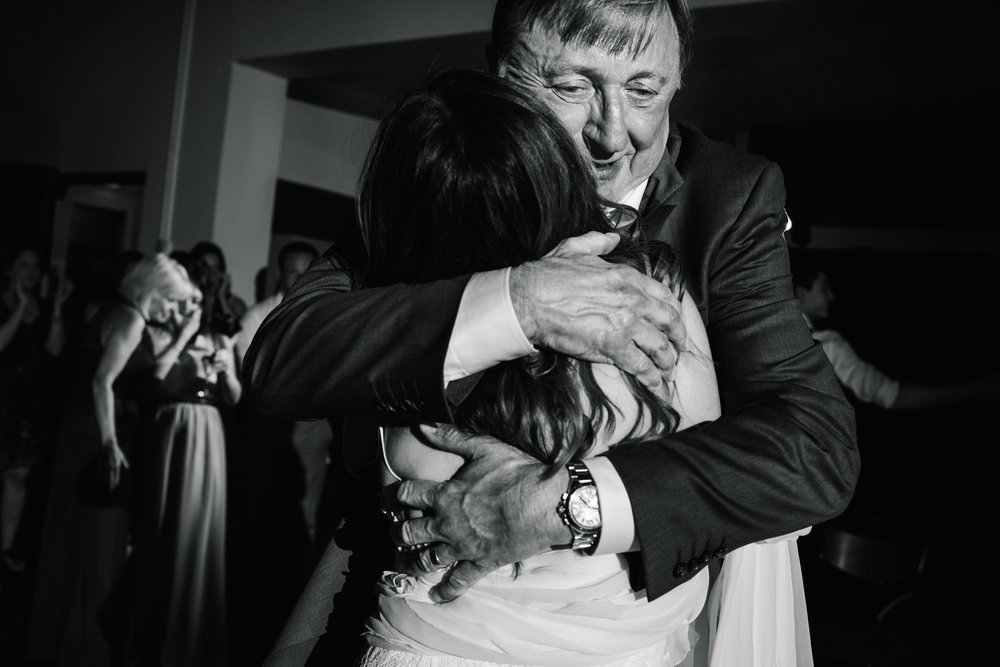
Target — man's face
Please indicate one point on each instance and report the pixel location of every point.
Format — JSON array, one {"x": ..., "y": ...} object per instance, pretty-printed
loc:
[
  {"x": 293, "y": 266},
  {"x": 817, "y": 299},
  {"x": 616, "y": 107}
]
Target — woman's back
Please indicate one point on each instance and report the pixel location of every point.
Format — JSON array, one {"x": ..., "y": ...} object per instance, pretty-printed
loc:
[
  {"x": 561, "y": 608},
  {"x": 467, "y": 175}
]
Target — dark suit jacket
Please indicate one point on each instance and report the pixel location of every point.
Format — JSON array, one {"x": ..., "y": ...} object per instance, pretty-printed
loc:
[{"x": 782, "y": 457}]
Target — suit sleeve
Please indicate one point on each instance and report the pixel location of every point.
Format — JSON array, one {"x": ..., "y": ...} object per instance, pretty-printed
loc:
[
  {"x": 329, "y": 349},
  {"x": 783, "y": 455}
]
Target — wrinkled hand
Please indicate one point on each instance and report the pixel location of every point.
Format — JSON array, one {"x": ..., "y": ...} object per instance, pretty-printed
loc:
[
  {"x": 496, "y": 510},
  {"x": 574, "y": 302}
]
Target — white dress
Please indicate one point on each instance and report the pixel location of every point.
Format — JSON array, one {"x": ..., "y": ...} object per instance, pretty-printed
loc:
[
  {"x": 562, "y": 609},
  {"x": 568, "y": 609}
]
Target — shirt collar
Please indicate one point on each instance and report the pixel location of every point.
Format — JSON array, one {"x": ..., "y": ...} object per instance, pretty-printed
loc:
[{"x": 634, "y": 198}]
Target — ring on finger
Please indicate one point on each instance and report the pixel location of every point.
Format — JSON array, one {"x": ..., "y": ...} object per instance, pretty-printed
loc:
[
  {"x": 435, "y": 559},
  {"x": 410, "y": 548},
  {"x": 393, "y": 516}
]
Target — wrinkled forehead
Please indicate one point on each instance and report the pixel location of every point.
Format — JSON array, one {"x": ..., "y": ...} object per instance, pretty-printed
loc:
[{"x": 614, "y": 30}]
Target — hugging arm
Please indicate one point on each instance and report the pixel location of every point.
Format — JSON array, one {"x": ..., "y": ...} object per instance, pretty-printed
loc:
[{"x": 326, "y": 349}]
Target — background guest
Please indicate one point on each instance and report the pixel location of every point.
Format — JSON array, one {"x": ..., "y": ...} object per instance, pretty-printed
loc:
[
  {"x": 75, "y": 615},
  {"x": 864, "y": 380},
  {"x": 218, "y": 285},
  {"x": 311, "y": 440},
  {"x": 286, "y": 497},
  {"x": 32, "y": 337},
  {"x": 179, "y": 617}
]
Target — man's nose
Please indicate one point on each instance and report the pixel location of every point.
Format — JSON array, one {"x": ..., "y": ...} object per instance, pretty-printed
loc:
[{"x": 605, "y": 131}]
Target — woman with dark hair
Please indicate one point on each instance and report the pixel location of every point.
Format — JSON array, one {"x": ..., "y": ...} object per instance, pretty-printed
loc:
[
  {"x": 217, "y": 285},
  {"x": 179, "y": 589},
  {"x": 470, "y": 174},
  {"x": 32, "y": 339},
  {"x": 75, "y": 618}
]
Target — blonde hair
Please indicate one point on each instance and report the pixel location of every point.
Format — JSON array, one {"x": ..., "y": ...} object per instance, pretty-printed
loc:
[{"x": 154, "y": 276}]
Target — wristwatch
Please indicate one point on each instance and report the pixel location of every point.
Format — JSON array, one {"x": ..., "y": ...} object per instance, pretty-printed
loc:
[{"x": 580, "y": 508}]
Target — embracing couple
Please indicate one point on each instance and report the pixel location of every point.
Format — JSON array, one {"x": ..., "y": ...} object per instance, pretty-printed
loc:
[{"x": 597, "y": 300}]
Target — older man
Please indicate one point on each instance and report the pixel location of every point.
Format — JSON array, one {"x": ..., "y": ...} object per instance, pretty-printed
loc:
[{"x": 782, "y": 456}]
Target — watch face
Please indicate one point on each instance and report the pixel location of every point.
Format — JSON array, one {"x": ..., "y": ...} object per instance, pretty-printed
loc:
[{"x": 584, "y": 509}]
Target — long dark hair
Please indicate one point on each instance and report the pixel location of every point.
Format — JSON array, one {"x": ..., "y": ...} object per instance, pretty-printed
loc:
[{"x": 468, "y": 173}]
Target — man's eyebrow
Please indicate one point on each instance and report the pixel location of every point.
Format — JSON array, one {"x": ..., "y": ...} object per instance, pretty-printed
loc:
[{"x": 558, "y": 69}]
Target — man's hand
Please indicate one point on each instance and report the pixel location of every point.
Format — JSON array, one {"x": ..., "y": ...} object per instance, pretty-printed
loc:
[
  {"x": 574, "y": 302},
  {"x": 496, "y": 510}
]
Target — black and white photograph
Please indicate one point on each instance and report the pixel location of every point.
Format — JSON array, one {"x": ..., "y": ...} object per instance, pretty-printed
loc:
[{"x": 495, "y": 333}]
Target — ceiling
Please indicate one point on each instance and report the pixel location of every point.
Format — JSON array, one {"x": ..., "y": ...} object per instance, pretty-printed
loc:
[{"x": 780, "y": 62}]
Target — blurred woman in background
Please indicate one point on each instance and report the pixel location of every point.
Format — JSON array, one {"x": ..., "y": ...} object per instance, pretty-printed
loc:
[
  {"x": 85, "y": 538},
  {"x": 32, "y": 337},
  {"x": 180, "y": 522}
]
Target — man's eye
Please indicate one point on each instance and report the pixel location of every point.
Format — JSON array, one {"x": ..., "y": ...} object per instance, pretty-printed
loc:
[
  {"x": 641, "y": 94},
  {"x": 573, "y": 92}
]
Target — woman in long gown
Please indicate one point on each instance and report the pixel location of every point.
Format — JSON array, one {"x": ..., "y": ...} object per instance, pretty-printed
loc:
[
  {"x": 180, "y": 583},
  {"x": 74, "y": 618},
  {"x": 470, "y": 174}
]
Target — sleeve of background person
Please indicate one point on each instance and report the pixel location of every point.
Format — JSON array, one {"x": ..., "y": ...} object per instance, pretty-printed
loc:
[
  {"x": 784, "y": 455},
  {"x": 866, "y": 382},
  {"x": 249, "y": 324}
]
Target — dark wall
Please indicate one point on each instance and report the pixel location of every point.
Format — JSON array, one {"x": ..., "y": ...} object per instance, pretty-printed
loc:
[{"x": 28, "y": 193}]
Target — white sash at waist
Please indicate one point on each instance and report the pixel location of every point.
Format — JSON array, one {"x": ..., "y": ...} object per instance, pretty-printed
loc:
[{"x": 757, "y": 608}]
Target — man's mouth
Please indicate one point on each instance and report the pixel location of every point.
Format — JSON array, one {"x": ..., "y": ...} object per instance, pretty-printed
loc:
[{"x": 605, "y": 167}]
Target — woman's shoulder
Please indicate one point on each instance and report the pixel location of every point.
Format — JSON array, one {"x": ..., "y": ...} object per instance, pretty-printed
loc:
[
  {"x": 122, "y": 318},
  {"x": 124, "y": 312}
]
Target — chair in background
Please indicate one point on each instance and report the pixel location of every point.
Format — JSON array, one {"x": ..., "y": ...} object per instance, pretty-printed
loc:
[{"x": 867, "y": 571}]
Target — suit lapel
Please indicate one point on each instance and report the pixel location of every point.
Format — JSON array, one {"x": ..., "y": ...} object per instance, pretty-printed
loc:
[
  {"x": 665, "y": 180},
  {"x": 663, "y": 190}
]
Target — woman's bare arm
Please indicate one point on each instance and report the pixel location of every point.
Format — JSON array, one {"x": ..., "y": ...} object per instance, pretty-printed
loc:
[{"x": 120, "y": 335}]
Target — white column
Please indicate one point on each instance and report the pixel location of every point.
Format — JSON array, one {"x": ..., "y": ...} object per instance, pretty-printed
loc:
[{"x": 248, "y": 171}]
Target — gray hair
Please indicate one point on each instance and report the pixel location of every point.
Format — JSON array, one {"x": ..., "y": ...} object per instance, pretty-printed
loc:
[{"x": 618, "y": 26}]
